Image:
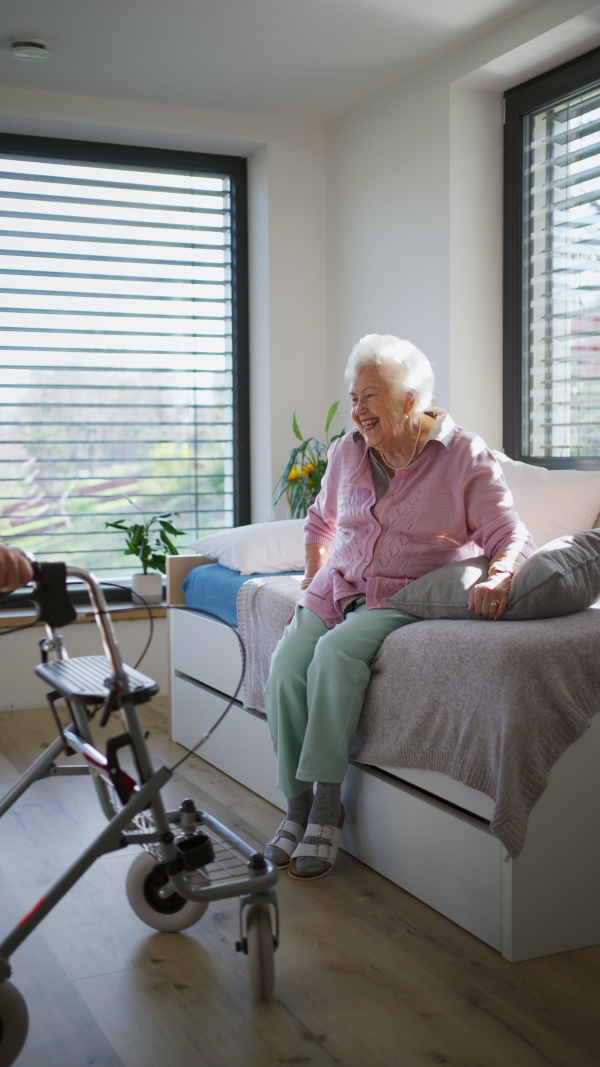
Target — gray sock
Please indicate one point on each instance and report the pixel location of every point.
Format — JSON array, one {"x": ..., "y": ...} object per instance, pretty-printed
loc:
[
  {"x": 298, "y": 809},
  {"x": 327, "y": 810},
  {"x": 327, "y": 804}
]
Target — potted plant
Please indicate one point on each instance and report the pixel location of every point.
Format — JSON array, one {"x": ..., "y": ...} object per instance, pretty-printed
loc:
[
  {"x": 304, "y": 470},
  {"x": 149, "y": 539}
]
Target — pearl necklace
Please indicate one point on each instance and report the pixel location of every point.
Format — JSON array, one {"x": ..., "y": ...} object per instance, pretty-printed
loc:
[{"x": 413, "y": 453}]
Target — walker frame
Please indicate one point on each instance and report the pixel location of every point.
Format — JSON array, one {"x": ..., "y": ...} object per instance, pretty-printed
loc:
[{"x": 189, "y": 858}]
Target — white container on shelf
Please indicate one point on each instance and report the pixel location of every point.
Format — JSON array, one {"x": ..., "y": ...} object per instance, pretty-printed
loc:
[{"x": 147, "y": 587}]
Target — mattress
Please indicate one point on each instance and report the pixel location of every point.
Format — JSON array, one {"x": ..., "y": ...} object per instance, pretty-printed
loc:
[{"x": 214, "y": 589}]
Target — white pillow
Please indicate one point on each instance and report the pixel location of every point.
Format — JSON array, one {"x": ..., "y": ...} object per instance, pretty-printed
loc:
[
  {"x": 552, "y": 503},
  {"x": 261, "y": 548}
]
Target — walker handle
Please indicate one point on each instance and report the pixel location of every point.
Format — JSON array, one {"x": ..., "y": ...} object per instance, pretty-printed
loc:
[{"x": 50, "y": 594}]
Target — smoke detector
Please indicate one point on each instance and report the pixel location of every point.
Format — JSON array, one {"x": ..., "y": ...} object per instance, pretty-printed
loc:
[{"x": 29, "y": 48}]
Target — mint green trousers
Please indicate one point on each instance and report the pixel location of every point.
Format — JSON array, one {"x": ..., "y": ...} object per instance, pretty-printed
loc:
[{"x": 316, "y": 688}]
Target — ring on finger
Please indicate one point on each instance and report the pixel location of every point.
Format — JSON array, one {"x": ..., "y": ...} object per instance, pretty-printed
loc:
[{"x": 494, "y": 603}]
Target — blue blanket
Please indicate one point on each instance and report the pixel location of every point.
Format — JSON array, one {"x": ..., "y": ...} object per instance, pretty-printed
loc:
[{"x": 214, "y": 588}]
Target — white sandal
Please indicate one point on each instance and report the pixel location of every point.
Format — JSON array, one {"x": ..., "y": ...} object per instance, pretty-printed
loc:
[
  {"x": 329, "y": 838},
  {"x": 286, "y": 844}
]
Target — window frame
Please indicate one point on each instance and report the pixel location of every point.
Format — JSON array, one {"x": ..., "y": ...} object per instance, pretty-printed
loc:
[
  {"x": 568, "y": 78},
  {"x": 233, "y": 167}
]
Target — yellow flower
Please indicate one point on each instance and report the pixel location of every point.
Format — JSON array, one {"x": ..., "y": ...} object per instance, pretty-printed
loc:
[
  {"x": 308, "y": 468},
  {"x": 296, "y": 472}
]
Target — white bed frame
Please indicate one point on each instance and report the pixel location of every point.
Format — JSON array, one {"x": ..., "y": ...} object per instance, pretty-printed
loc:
[{"x": 427, "y": 833}]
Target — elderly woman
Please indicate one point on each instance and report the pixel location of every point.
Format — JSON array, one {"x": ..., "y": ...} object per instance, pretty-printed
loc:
[{"x": 405, "y": 493}]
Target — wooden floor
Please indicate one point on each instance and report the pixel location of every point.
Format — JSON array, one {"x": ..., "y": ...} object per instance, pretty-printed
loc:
[{"x": 367, "y": 976}]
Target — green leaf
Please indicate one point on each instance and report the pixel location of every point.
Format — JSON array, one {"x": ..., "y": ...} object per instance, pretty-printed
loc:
[
  {"x": 137, "y": 536},
  {"x": 330, "y": 414},
  {"x": 296, "y": 428},
  {"x": 278, "y": 491},
  {"x": 168, "y": 544},
  {"x": 169, "y": 528}
]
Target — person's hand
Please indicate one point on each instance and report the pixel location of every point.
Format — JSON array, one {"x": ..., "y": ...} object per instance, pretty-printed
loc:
[
  {"x": 15, "y": 569},
  {"x": 490, "y": 598},
  {"x": 304, "y": 584}
]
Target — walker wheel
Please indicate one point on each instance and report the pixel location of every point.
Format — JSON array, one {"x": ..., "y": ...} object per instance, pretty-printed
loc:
[
  {"x": 14, "y": 1023},
  {"x": 145, "y": 878},
  {"x": 260, "y": 950}
]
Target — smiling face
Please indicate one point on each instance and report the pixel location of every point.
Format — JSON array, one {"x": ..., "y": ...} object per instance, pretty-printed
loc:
[{"x": 378, "y": 407}]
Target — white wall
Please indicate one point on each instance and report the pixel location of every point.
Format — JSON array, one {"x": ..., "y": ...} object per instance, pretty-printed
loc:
[
  {"x": 19, "y": 656},
  {"x": 388, "y": 217},
  {"x": 415, "y": 205},
  {"x": 475, "y": 261}
]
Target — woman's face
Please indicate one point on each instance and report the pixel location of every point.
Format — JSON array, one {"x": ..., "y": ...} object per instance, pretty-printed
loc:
[{"x": 378, "y": 408}]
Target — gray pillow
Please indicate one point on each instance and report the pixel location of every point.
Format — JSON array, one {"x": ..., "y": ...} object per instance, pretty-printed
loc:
[
  {"x": 559, "y": 579},
  {"x": 444, "y": 593}
]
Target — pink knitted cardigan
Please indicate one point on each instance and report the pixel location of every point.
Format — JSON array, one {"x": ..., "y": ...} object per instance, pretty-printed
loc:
[{"x": 450, "y": 503}]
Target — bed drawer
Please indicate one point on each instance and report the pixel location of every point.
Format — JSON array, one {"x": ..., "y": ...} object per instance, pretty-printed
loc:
[
  {"x": 440, "y": 785},
  {"x": 241, "y": 746},
  {"x": 450, "y": 861},
  {"x": 205, "y": 649}
]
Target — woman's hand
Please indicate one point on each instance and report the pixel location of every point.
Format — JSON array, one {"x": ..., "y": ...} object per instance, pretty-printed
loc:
[
  {"x": 490, "y": 598},
  {"x": 304, "y": 584},
  {"x": 15, "y": 569}
]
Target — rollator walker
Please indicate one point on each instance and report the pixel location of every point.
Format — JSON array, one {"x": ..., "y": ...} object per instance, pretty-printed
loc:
[{"x": 189, "y": 858}]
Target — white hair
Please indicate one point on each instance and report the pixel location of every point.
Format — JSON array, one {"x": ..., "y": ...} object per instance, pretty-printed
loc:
[{"x": 399, "y": 360}]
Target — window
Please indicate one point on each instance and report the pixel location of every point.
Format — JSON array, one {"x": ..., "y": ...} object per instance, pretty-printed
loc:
[
  {"x": 123, "y": 345},
  {"x": 552, "y": 267}
]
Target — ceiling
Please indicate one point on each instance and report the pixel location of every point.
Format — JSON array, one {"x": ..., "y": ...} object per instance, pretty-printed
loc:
[{"x": 291, "y": 58}]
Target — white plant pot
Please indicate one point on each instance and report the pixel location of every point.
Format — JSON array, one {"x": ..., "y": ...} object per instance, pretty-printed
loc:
[{"x": 147, "y": 587}]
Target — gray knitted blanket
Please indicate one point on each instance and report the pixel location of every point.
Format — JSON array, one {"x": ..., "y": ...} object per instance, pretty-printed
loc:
[{"x": 493, "y": 705}]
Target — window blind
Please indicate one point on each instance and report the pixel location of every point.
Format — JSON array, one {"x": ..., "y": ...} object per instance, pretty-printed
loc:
[
  {"x": 561, "y": 278},
  {"x": 117, "y": 353}
]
